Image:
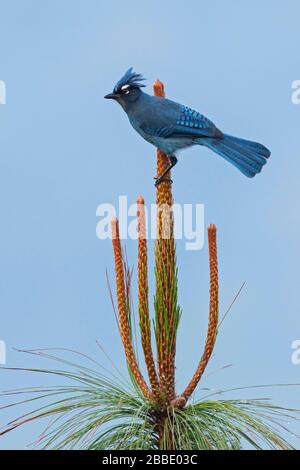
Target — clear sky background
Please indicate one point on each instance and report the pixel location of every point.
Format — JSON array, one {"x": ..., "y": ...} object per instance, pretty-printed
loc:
[{"x": 64, "y": 150}]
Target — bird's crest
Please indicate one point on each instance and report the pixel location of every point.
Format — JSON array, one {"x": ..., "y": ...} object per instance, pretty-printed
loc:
[{"x": 131, "y": 79}]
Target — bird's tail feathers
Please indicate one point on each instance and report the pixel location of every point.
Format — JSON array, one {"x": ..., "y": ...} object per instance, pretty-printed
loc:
[{"x": 249, "y": 157}]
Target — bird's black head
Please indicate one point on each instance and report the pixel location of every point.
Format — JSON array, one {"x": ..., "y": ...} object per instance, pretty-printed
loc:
[{"x": 127, "y": 89}]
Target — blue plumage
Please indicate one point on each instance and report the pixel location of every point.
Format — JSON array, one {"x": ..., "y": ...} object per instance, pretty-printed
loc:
[
  {"x": 171, "y": 127},
  {"x": 130, "y": 78}
]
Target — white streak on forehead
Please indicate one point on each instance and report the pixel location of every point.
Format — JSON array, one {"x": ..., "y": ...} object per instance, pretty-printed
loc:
[{"x": 124, "y": 87}]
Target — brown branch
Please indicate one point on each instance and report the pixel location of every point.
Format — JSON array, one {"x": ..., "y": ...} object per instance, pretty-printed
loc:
[
  {"x": 213, "y": 313},
  {"x": 164, "y": 190},
  {"x": 124, "y": 324},
  {"x": 144, "y": 315},
  {"x": 165, "y": 262}
]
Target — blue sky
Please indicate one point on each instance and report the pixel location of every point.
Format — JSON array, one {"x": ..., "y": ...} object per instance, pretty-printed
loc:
[{"x": 65, "y": 150}]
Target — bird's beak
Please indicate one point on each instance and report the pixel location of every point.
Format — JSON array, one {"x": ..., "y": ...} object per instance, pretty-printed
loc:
[{"x": 111, "y": 96}]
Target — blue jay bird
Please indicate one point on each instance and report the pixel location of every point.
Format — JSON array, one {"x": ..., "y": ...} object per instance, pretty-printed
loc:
[{"x": 171, "y": 127}]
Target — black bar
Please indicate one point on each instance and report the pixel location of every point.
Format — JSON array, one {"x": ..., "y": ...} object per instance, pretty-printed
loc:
[{"x": 135, "y": 459}]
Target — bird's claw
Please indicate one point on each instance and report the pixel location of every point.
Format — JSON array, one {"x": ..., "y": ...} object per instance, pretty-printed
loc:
[{"x": 162, "y": 179}]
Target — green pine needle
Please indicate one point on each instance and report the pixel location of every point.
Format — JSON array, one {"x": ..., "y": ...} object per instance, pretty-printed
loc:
[{"x": 94, "y": 412}]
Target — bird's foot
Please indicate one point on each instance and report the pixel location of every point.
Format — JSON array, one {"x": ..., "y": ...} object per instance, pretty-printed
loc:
[{"x": 162, "y": 179}]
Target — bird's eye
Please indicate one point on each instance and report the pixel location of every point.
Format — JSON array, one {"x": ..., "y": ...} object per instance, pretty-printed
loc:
[{"x": 125, "y": 89}]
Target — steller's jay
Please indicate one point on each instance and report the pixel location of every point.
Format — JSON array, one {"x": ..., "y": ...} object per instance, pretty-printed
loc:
[{"x": 170, "y": 127}]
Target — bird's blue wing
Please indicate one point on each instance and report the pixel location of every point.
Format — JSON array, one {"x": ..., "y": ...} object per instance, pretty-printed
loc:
[
  {"x": 190, "y": 119},
  {"x": 188, "y": 123}
]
